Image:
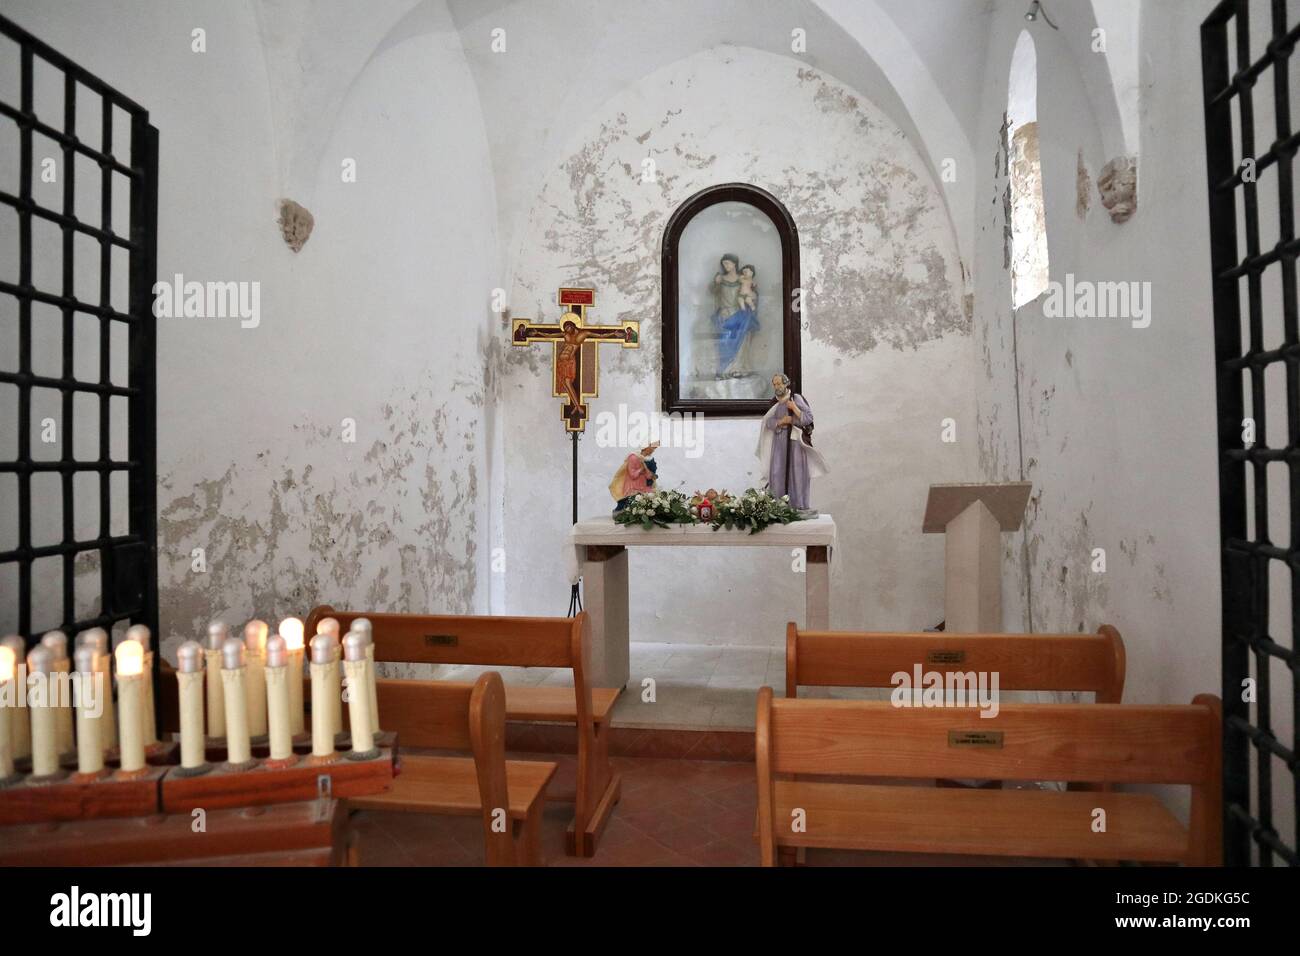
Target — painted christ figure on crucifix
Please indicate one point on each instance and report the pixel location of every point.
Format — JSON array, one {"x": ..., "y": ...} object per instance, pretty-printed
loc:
[
  {"x": 785, "y": 445},
  {"x": 566, "y": 357},
  {"x": 574, "y": 369}
]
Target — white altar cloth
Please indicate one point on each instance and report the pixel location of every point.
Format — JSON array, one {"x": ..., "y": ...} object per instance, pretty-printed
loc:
[
  {"x": 819, "y": 531},
  {"x": 597, "y": 552}
]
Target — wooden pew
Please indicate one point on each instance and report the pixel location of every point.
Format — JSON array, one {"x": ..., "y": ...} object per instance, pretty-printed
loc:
[
  {"x": 1044, "y": 662},
  {"x": 1093, "y": 743},
  {"x": 520, "y": 642},
  {"x": 442, "y": 715}
]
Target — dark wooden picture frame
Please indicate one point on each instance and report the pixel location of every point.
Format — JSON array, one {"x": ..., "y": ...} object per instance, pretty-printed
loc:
[{"x": 770, "y": 206}]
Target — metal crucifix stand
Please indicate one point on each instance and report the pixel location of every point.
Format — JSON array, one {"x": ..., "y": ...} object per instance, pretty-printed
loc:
[
  {"x": 575, "y": 369},
  {"x": 575, "y": 597}
]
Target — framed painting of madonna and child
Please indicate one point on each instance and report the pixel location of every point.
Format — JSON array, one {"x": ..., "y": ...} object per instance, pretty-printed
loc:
[{"x": 730, "y": 301}]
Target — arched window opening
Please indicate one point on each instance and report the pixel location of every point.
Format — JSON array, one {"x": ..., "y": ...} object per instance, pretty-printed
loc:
[{"x": 1029, "y": 269}]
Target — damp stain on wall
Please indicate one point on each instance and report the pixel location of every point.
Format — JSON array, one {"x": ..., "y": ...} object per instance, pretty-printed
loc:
[
  {"x": 876, "y": 244},
  {"x": 387, "y": 524}
]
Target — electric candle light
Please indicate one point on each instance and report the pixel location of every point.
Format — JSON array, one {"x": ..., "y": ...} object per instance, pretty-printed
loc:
[
  {"x": 324, "y": 667},
  {"x": 334, "y": 676},
  {"x": 291, "y": 631},
  {"x": 218, "y": 634},
  {"x": 97, "y": 638},
  {"x": 130, "y": 706},
  {"x": 362, "y": 626},
  {"x": 140, "y": 634},
  {"x": 90, "y": 742},
  {"x": 354, "y": 661},
  {"x": 45, "y": 735},
  {"x": 277, "y": 701},
  {"x": 238, "y": 750},
  {"x": 189, "y": 678},
  {"x": 7, "y": 668},
  {"x": 57, "y": 642},
  {"x": 254, "y": 678},
  {"x": 330, "y": 626},
  {"x": 20, "y": 734}
]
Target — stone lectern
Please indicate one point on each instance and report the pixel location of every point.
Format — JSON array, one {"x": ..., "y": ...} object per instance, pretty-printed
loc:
[{"x": 973, "y": 517}]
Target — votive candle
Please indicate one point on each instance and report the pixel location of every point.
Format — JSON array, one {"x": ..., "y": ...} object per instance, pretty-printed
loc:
[
  {"x": 130, "y": 705},
  {"x": 59, "y": 684},
  {"x": 218, "y": 634},
  {"x": 20, "y": 733},
  {"x": 354, "y": 661},
  {"x": 190, "y": 659},
  {"x": 255, "y": 679},
  {"x": 97, "y": 638},
  {"x": 324, "y": 668},
  {"x": 8, "y": 667},
  {"x": 362, "y": 626},
  {"x": 233, "y": 669},
  {"x": 291, "y": 631},
  {"x": 90, "y": 711}
]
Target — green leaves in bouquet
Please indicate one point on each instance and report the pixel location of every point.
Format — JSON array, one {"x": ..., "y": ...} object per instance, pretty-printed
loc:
[{"x": 753, "y": 511}]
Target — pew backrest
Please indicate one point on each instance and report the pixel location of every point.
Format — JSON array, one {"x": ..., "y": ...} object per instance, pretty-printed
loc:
[
  {"x": 447, "y": 715},
  {"x": 1089, "y": 743},
  {"x": 486, "y": 640},
  {"x": 1028, "y": 662}
]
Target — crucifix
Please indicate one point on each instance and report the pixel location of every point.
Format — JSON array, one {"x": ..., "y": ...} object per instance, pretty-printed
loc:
[{"x": 575, "y": 368}]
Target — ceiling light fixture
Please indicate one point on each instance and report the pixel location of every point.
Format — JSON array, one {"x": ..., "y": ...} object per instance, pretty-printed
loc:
[{"x": 1035, "y": 9}]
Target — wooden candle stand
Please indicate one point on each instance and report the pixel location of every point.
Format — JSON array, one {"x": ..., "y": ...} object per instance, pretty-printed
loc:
[
  {"x": 77, "y": 797},
  {"x": 292, "y": 834},
  {"x": 265, "y": 783}
]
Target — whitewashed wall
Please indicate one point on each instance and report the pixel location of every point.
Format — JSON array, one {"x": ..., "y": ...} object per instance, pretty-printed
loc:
[
  {"x": 886, "y": 349},
  {"x": 381, "y": 318}
]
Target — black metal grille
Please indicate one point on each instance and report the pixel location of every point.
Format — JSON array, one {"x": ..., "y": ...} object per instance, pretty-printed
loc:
[
  {"x": 88, "y": 462},
  {"x": 1259, "y": 623}
]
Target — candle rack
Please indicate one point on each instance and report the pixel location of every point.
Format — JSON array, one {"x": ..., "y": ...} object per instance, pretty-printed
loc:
[
  {"x": 72, "y": 796},
  {"x": 265, "y": 782},
  {"x": 157, "y": 789}
]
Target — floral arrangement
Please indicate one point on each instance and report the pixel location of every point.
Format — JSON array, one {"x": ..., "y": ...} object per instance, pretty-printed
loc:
[
  {"x": 661, "y": 508},
  {"x": 754, "y": 510}
]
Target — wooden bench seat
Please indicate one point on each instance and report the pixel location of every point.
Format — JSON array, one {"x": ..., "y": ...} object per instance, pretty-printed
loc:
[
  {"x": 450, "y": 785},
  {"x": 514, "y": 642},
  {"x": 1096, "y": 744},
  {"x": 1022, "y": 823},
  {"x": 556, "y": 704},
  {"x": 446, "y": 715}
]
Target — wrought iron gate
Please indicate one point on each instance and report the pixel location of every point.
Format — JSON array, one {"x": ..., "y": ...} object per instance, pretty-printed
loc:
[
  {"x": 78, "y": 470},
  {"x": 1258, "y": 381}
]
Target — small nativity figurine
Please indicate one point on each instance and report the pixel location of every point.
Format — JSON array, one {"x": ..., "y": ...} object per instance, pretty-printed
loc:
[
  {"x": 635, "y": 476},
  {"x": 785, "y": 446}
]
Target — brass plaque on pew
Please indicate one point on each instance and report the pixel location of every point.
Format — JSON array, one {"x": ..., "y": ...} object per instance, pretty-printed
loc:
[
  {"x": 441, "y": 640},
  {"x": 945, "y": 657},
  {"x": 975, "y": 738}
]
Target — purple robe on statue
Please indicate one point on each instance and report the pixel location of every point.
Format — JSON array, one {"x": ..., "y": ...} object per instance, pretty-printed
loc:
[{"x": 803, "y": 462}]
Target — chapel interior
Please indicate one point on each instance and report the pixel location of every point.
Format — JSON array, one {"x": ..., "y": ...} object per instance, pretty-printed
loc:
[{"x": 681, "y": 433}]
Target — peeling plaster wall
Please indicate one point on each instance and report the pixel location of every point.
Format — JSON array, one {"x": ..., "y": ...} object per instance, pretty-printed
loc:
[
  {"x": 886, "y": 349},
  {"x": 382, "y": 318},
  {"x": 379, "y": 320},
  {"x": 1115, "y": 425}
]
